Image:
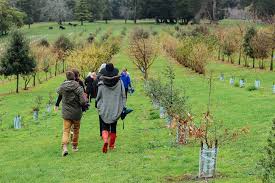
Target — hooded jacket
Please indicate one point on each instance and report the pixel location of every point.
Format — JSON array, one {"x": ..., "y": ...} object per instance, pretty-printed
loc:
[
  {"x": 125, "y": 79},
  {"x": 72, "y": 100},
  {"x": 110, "y": 99}
]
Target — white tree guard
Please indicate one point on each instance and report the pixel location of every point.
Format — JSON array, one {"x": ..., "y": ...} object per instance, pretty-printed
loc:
[
  {"x": 258, "y": 84},
  {"x": 273, "y": 89},
  {"x": 242, "y": 83},
  {"x": 222, "y": 77},
  {"x": 232, "y": 81},
  {"x": 35, "y": 115},
  {"x": 208, "y": 160},
  {"x": 17, "y": 122},
  {"x": 169, "y": 120},
  {"x": 49, "y": 108},
  {"x": 162, "y": 112}
]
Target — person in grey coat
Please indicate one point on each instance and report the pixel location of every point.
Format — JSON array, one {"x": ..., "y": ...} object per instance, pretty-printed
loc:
[{"x": 111, "y": 99}]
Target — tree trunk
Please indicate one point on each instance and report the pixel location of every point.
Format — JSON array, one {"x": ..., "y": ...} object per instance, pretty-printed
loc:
[
  {"x": 245, "y": 61},
  {"x": 240, "y": 57},
  {"x": 271, "y": 61},
  {"x": 29, "y": 25},
  {"x": 219, "y": 57},
  {"x": 34, "y": 77},
  {"x": 145, "y": 75},
  {"x": 214, "y": 10},
  {"x": 253, "y": 62},
  {"x": 106, "y": 21},
  {"x": 135, "y": 13},
  {"x": 17, "y": 83},
  {"x": 81, "y": 22},
  {"x": 55, "y": 72},
  {"x": 63, "y": 63},
  {"x": 223, "y": 57}
]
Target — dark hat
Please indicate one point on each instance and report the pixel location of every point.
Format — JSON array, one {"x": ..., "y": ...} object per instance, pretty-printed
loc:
[
  {"x": 109, "y": 67},
  {"x": 110, "y": 71}
]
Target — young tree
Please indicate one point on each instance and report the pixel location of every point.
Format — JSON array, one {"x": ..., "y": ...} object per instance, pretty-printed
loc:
[
  {"x": 82, "y": 12},
  {"x": 17, "y": 60},
  {"x": 142, "y": 50},
  {"x": 87, "y": 59},
  {"x": 260, "y": 45},
  {"x": 107, "y": 11},
  {"x": 61, "y": 47},
  {"x": 220, "y": 35},
  {"x": 248, "y": 50},
  {"x": 230, "y": 45},
  {"x": 267, "y": 163}
]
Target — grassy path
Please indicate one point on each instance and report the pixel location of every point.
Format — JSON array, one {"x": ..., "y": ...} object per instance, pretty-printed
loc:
[{"x": 145, "y": 149}]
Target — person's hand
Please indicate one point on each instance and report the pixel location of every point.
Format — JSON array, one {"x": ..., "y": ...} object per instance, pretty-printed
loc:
[{"x": 55, "y": 108}]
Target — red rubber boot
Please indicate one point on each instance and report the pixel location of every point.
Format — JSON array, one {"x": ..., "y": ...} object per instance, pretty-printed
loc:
[
  {"x": 112, "y": 141},
  {"x": 105, "y": 136}
]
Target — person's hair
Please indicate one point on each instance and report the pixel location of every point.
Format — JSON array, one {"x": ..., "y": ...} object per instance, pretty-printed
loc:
[
  {"x": 76, "y": 73},
  {"x": 70, "y": 75}
]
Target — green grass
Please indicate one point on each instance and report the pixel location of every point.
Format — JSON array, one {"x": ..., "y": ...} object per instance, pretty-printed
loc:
[{"x": 146, "y": 151}]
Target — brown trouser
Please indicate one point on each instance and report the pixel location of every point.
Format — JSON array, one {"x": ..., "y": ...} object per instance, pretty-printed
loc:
[{"x": 67, "y": 125}]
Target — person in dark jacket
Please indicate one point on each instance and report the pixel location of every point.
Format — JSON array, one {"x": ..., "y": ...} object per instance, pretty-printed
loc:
[
  {"x": 125, "y": 77},
  {"x": 80, "y": 82},
  {"x": 111, "y": 100},
  {"x": 72, "y": 101},
  {"x": 90, "y": 86}
]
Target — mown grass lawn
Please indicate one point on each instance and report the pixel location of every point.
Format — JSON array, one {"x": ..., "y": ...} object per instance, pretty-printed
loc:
[{"x": 146, "y": 149}]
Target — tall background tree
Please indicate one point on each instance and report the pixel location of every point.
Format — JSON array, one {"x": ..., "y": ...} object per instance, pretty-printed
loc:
[
  {"x": 56, "y": 10},
  {"x": 82, "y": 12},
  {"x": 107, "y": 11},
  {"x": 17, "y": 59},
  {"x": 28, "y": 7},
  {"x": 9, "y": 17}
]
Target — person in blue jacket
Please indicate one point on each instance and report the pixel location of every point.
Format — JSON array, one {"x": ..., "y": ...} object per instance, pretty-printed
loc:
[{"x": 125, "y": 78}]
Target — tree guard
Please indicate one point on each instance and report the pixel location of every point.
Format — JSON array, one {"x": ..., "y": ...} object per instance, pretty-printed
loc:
[
  {"x": 208, "y": 161},
  {"x": 232, "y": 81},
  {"x": 162, "y": 112},
  {"x": 242, "y": 83},
  {"x": 222, "y": 77},
  {"x": 257, "y": 84},
  {"x": 17, "y": 122},
  {"x": 35, "y": 115}
]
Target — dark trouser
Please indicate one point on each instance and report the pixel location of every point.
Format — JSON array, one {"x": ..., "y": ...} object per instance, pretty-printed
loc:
[
  {"x": 108, "y": 127},
  {"x": 126, "y": 92}
]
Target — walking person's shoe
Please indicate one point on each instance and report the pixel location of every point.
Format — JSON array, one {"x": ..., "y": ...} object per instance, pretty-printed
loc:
[
  {"x": 65, "y": 151},
  {"x": 105, "y": 136},
  {"x": 112, "y": 141},
  {"x": 75, "y": 148}
]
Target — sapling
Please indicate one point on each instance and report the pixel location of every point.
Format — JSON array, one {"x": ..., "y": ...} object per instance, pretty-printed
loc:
[
  {"x": 50, "y": 102},
  {"x": 36, "y": 107},
  {"x": 267, "y": 163}
]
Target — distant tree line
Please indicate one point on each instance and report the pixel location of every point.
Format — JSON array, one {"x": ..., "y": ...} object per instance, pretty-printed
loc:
[{"x": 163, "y": 11}]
